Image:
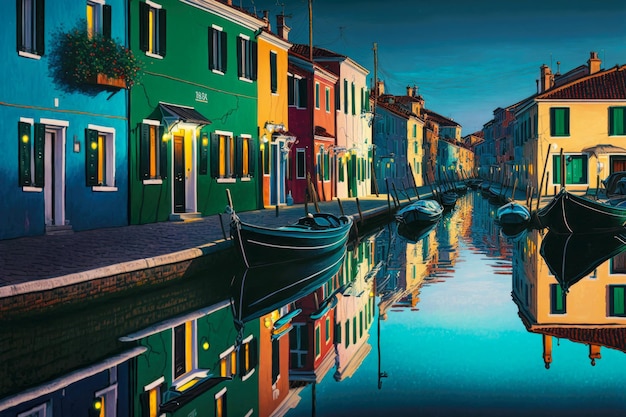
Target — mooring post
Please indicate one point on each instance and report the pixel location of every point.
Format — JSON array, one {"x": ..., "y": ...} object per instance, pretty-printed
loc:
[
  {"x": 340, "y": 207},
  {"x": 358, "y": 206},
  {"x": 276, "y": 210},
  {"x": 222, "y": 225}
]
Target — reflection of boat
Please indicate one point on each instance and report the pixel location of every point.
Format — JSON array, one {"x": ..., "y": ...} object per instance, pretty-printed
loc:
[
  {"x": 420, "y": 212},
  {"x": 448, "y": 199},
  {"x": 572, "y": 257},
  {"x": 569, "y": 213},
  {"x": 414, "y": 233},
  {"x": 312, "y": 236},
  {"x": 261, "y": 290}
]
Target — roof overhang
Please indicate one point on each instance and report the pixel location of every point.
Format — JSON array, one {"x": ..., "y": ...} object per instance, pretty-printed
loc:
[{"x": 173, "y": 113}]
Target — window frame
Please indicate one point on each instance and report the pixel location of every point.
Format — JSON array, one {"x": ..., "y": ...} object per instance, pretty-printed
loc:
[
  {"x": 317, "y": 95},
  {"x": 560, "y": 121},
  {"x": 30, "y": 20},
  {"x": 104, "y": 179},
  {"x": 99, "y": 20},
  {"x": 611, "y": 289},
  {"x": 557, "y": 292},
  {"x": 153, "y": 150},
  {"x": 617, "y": 123},
  {"x": 218, "y": 49},
  {"x": 152, "y": 29},
  {"x": 246, "y": 58},
  {"x": 273, "y": 72},
  {"x": 300, "y": 163},
  {"x": 222, "y": 156},
  {"x": 581, "y": 159}
]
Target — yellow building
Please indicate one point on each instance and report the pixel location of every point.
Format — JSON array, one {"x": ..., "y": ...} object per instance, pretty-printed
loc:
[
  {"x": 575, "y": 126},
  {"x": 274, "y": 136}
]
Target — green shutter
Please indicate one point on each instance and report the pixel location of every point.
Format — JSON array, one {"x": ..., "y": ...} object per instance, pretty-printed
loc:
[
  {"x": 144, "y": 151},
  {"x": 556, "y": 169},
  {"x": 618, "y": 301},
  {"x": 252, "y": 157},
  {"x": 224, "y": 51},
  {"x": 212, "y": 35},
  {"x": 302, "y": 93},
  {"x": 215, "y": 155},
  {"x": 345, "y": 96},
  {"x": 163, "y": 153},
  {"x": 353, "y": 95},
  {"x": 273, "y": 73},
  {"x": 240, "y": 69},
  {"x": 239, "y": 156},
  {"x": 24, "y": 147},
  {"x": 144, "y": 13},
  {"x": 204, "y": 153},
  {"x": 617, "y": 121},
  {"x": 39, "y": 146},
  {"x": 162, "y": 38},
  {"x": 106, "y": 21},
  {"x": 91, "y": 157},
  {"x": 40, "y": 30}
]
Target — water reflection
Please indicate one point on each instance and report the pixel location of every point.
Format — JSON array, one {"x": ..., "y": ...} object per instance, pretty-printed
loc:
[{"x": 419, "y": 325}]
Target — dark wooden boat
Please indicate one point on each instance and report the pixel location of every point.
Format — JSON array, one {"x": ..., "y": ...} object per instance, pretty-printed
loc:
[
  {"x": 449, "y": 199},
  {"x": 571, "y": 257},
  {"x": 420, "y": 213},
  {"x": 569, "y": 213},
  {"x": 512, "y": 214},
  {"x": 258, "y": 291},
  {"x": 311, "y": 236}
]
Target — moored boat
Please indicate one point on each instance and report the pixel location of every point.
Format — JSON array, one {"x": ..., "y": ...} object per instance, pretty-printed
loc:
[
  {"x": 569, "y": 213},
  {"x": 512, "y": 213},
  {"x": 311, "y": 236},
  {"x": 420, "y": 212}
]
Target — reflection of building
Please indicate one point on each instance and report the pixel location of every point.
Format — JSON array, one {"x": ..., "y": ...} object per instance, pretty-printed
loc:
[
  {"x": 555, "y": 301},
  {"x": 354, "y": 312}
]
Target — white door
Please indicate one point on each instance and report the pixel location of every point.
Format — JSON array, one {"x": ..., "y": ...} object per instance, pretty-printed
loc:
[{"x": 53, "y": 181}]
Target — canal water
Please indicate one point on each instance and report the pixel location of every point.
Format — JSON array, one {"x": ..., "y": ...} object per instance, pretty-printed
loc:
[{"x": 459, "y": 321}]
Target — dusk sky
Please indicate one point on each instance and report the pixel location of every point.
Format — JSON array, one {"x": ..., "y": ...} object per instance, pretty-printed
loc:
[{"x": 466, "y": 57}]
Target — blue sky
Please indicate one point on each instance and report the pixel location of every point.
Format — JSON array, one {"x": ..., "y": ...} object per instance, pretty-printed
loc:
[{"x": 467, "y": 57}]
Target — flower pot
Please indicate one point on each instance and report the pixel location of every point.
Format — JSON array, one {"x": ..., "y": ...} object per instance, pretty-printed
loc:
[{"x": 102, "y": 79}]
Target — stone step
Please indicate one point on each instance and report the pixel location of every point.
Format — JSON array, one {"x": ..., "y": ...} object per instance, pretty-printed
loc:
[{"x": 185, "y": 217}]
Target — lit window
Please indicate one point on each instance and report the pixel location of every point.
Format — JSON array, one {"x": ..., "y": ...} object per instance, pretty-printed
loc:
[
  {"x": 30, "y": 27},
  {"x": 105, "y": 402},
  {"x": 151, "y": 398},
  {"x": 245, "y": 156},
  {"x": 100, "y": 156},
  {"x": 152, "y": 18},
  {"x": 217, "y": 49},
  {"x": 153, "y": 151},
  {"x": 98, "y": 18},
  {"x": 220, "y": 404},
  {"x": 222, "y": 155},
  {"x": 228, "y": 363}
]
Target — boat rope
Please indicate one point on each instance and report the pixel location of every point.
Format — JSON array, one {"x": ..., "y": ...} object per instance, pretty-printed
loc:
[{"x": 236, "y": 222}]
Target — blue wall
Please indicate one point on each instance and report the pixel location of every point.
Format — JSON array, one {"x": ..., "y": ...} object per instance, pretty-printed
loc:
[{"x": 29, "y": 91}]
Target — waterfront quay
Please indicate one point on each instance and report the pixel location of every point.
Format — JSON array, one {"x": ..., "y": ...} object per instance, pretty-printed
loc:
[{"x": 45, "y": 273}]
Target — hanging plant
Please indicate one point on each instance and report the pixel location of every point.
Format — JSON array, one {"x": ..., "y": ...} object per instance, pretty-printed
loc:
[{"x": 80, "y": 59}]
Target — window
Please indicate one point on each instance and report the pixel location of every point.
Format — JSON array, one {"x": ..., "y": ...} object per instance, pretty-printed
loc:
[
  {"x": 265, "y": 153},
  {"x": 42, "y": 410},
  {"x": 152, "y": 29},
  {"x": 298, "y": 345},
  {"x": 300, "y": 164},
  {"x": 184, "y": 360},
  {"x": 151, "y": 397},
  {"x": 347, "y": 332},
  {"x": 557, "y": 299},
  {"x": 31, "y": 153},
  {"x": 217, "y": 49},
  {"x": 345, "y": 96},
  {"x": 100, "y": 156},
  {"x": 246, "y": 58},
  {"x": 617, "y": 121},
  {"x": 296, "y": 93},
  {"x": 617, "y": 308},
  {"x": 318, "y": 348},
  {"x": 353, "y": 98},
  {"x": 153, "y": 151},
  {"x": 273, "y": 72},
  {"x": 275, "y": 360},
  {"x": 30, "y": 28},
  {"x": 354, "y": 336},
  {"x": 327, "y": 330},
  {"x": 245, "y": 156},
  {"x": 327, "y": 99},
  {"x": 220, "y": 404},
  {"x": 575, "y": 169},
  {"x": 98, "y": 18},
  {"x": 247, "y": 357},
  {"x": 618, "y": 264},
  {"x": 222, "y": 155},
  {"x": 559, "y": 121},
  {"x": 317, "y": 95},
  {"x": 105, "y": 403},
  {"x": 228, "y": 363}
]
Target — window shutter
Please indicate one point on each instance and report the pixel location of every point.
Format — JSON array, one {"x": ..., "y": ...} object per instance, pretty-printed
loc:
[
  {"x": 24, "y": 146},
  {"x": 252, "y": 157},
  {"x": 239, "y": 156},
  {"x": 106, "y": 21},
  {"x": 302, "y": 99},
  {"x": 163, "y": 153},
  {"x": 144, "y": 12},
  {"x": 41, "y": 29},
  {"x": 215, "y": 155},
  {"x": 144, "y": 398},
  {"x": 566, "y": 121},
  {"x": 273, "y": 73},
  {"x": 91, "y": 157},
  {"x": 204, "y": 153},
  {"x": 223, "y": 51},
  {"x": 144, "y": 152},
  {"x": 18, "y": 19},
  {"x": 240, "y": 69},
  {"x": 162, "y": 31},
  {"x": 212, "y": 35},
  {"x": 254, "y": 56},
  {"x": 39, "y": 148}
]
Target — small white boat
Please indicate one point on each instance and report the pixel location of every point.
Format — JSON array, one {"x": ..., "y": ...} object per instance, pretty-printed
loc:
[
  {"x": 513, "y": 214},
  {"x": 420, "y": 212}
]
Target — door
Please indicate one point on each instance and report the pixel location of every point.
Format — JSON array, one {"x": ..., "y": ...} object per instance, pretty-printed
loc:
[
  {"x": 53, "y": 179},
  {"x": 277, "y": 173},
  {"x": 179, "y": 174}
]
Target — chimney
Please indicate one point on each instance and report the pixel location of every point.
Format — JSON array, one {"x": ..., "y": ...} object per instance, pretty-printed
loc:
[
  {"x": 266, "y": 19},
  {"x": 281, "y": 27},
  {"x": 229, "y": 2},
  {"x": 409, "y": 91},
  {"x": 547, "y": 79},
  {"x": 594, "y": 63},
  {"x": 380, "y": 88}
]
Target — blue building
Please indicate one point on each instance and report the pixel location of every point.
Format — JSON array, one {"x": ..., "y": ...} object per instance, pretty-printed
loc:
[{"x": 64, "y": 157}]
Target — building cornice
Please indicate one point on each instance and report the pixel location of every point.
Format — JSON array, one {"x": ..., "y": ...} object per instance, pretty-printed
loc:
[{"x": 227, "y": 12}]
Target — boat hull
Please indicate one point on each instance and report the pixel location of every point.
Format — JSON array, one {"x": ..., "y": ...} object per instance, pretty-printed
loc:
[
  {"x": 569, "y": 213},
  {"x": 512, "y": 214},
  {"x": 420, "y": 213},
  {"x": 262, "y": 245}
]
